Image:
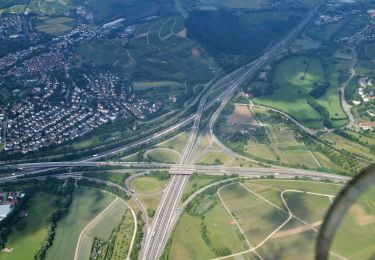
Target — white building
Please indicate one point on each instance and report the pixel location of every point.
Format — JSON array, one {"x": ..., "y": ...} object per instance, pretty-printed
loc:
[{"x": 5, "y": 210}]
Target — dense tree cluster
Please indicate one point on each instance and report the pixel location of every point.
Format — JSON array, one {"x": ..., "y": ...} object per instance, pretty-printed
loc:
[
  {"x": 319, "y": 90},
  {"x": 223, "y": 32},
  {"x": 321, "y": 110},
  {"x": 138, "y": 238},
  {"x": 160, "y": 175}
]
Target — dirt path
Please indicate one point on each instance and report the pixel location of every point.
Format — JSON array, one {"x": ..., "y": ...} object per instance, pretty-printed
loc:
[
  {"x": 233, "y": 218},
  {"x": 295, "y": 231},
  {"x": 346, "y": 107},
  {"x": 304, "y": 128},
  {"x": 231, "y": 215},
  {"x": 308, "y": 226},
  {"x": 92, "y": 222},
  {"x": 97, "y": 218}
]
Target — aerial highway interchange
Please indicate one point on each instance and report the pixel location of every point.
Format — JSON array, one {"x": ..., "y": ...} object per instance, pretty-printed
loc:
[{"x": 167, "y": 213}]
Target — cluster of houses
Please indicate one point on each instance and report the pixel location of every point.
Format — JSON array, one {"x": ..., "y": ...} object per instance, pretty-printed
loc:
[
  {"x": 8, "y": 200},
  {"x": 58, "y": 113},
  {"x": 365, "y": 96},
  {"x": 18, "y": 27},
  {"x": 363, "y": 92},
  {"x": 61, "y": 108}
]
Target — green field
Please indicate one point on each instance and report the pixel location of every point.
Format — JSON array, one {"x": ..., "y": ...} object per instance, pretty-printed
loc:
[
  {"x": 370, "y": 50},
  {"x": 214, "y": 158},
  {"x": 258, "y": 209},
  {"x": 277, "y": 142},
  {"x": 305, "y": 44},
  {"x": 85, "y": 206},
  {"x": 41, "y": 7},
  {"x": 115, "y": 177},
  {"x": 123, "y": 238},
  {"x": 150, "y": 202},
  {"x": 355, "y": 237},
  {"x": 102, "y": 228},
  {"x": 235, "y": 4},
  {"x": 156, "y": 60},
  {"x": 54, "y": 26},
  {"x": 295, "y": 78},
  {"x": 177, "y": 143},
  {"x": 156, "y": 85},
  {"x": 28, "y": 234},
  {"x": 356, "y": 148},
  {"x": 147, "y": 184},
  {"x": 293, "y": 246},
  {"x": 163, "y": 155},
  {"x": 196, "y": 182},
  {"x": 187, "y": 242},
  {"x": 331, "y": 99},
  {"x": 248, "y": 210},
  {"x": 105, "y": 52}
]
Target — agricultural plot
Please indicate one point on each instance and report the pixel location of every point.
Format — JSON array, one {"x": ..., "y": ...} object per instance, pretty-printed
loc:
[
  {"x": 28, "y": 234},
  {"x": 234, "y": 4},
  {"x": 355, "y": 237},
  {"x": 130, "y": 10},
  {"x": 290, "y": 243},
  {"x": 260, "y": 150},
  {"x": 187, "y": 241},
  {"x": 109, "y": 52},
  {"x": 123, "y": 236},
  {"x": 248, "y": 209},
  {"x": 55, "y": 26},
  {"x": 305, "y": 44},
  {"x": 257, "y": 209},
  {"x": 288, "y": 149},
  {"x": 270, "y": 140},
  {"x": 101, "y": 228},
  {"x": 342, "y": 143},
  {"x": 86, "y": 205},
  {"x": 40, "y": 7},
  {"x": 242, "y": 115},
  {"x": 158, "y": 61}
]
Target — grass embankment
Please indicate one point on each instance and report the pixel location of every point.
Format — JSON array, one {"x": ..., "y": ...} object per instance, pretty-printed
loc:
[
  {"x": 115, "y": 177},
  {"x": 163, "y": 155},
  {"x": 177, "y": 143},
  {"x": 149, "y": 189}
]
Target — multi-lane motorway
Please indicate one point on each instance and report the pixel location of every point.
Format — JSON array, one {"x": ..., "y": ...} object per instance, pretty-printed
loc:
[{"x": 167, "y": 213}]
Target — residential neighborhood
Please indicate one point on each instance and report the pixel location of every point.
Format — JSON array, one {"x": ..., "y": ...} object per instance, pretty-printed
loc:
[{"x": 49, "y": 103}]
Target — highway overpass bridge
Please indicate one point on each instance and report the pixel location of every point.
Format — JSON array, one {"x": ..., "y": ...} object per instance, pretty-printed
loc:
[{"x": 179, "y": 169}]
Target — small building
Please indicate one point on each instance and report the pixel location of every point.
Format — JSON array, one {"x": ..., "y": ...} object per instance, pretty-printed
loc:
[
  {"x": 365, "y": 125},
  {"x": 5, "y": 210}
]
